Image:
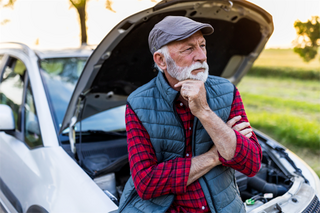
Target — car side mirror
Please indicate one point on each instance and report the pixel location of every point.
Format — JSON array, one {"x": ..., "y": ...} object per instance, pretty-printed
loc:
[
  {"x": 6, "y": 118},
  {"x": 32, "y": 131}
]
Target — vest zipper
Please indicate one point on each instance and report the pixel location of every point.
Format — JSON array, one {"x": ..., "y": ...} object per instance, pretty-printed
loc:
[
  {"x": 181, "y": 124},
  {"x": 195, "y": 123},
  {"x": 206, "y": 181},
  {"x": 193, "y": 141}
]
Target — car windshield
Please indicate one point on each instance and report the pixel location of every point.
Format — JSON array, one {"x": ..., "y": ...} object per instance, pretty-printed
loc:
[{"x": 60, "y": 77}]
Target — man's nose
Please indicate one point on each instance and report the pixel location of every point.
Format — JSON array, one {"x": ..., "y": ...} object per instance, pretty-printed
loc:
[{"x": 201, "y": 55}]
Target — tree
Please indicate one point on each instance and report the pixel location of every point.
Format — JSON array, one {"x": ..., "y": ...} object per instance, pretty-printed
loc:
[
  {"x": 308, "y": 38},
  {"x": 9, "y": 3},
  {"x": 80, "y": 5}
]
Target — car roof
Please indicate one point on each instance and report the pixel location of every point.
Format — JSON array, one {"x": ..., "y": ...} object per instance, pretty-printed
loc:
[
  {"x": 83, "y": 51},
  {"x": 62, "y": 53}
]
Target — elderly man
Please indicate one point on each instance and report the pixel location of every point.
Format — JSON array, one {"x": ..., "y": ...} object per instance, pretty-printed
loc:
[{"x": 187, "y": 131}]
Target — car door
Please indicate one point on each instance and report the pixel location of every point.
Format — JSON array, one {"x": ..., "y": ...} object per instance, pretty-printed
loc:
[{"x": 16, "y": 162}]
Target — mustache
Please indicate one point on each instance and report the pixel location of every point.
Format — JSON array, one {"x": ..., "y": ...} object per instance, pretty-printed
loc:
[{"x": 198, "y": 65}]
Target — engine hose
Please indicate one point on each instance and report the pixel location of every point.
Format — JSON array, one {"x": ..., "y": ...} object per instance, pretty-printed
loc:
[{"x": 264, "y": 187}]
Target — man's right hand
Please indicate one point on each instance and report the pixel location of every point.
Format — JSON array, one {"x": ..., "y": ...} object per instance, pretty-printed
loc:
[
  {"x": 244, "y": 127},
  {"x": 202, "y": 164},
  {"x": 214, "y": 154}
]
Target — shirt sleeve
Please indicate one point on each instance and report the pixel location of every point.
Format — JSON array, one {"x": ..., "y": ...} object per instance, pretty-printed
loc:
[
  {"x": 152, "y": 179},
  {"x": 248, "y": 155}
]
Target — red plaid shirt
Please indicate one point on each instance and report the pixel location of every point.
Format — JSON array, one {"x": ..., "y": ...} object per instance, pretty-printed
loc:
[{"x": 153, "y": 179}]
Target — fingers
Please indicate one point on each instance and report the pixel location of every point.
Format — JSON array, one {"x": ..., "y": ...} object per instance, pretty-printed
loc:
[
  {"x": 179, "y": 84},
  {"x": 246, "y": 132},
  {"x": 233, "y": 120},
  {"x": 241, "y": 126},
  {"x": 185, "y": 91},
  {"x": 189, "y": 88},
  {"x": 248, "y": 135},
  {"x": 184, "y": 95}
]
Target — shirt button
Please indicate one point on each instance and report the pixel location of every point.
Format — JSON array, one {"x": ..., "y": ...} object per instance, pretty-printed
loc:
[
  {"x": 190, "y": 128},
  {"x": 203, "y": 208},
  {"x": 181, "y": 104},
  {"x": 187, "y": 154}
]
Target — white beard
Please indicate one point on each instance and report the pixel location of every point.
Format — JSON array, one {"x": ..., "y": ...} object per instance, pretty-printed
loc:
[{"x": 184, "y": 73}]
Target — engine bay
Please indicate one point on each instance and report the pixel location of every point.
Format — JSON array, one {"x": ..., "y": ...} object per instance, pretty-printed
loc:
[
  {"x": 109, "y": 169},
  {"x": 269, "y": 183}
]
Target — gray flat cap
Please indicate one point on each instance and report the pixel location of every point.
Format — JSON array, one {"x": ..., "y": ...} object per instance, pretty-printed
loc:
[{"x": 175, "y": 28}]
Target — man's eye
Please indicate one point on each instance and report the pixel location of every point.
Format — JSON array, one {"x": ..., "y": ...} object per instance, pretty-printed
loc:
[{"x": 189, "y": 49}]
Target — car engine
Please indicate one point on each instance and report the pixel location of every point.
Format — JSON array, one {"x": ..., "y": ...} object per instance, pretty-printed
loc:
[{"x": 270, "y": 182}]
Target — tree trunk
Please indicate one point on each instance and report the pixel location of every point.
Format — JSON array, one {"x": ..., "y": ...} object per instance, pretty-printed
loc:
[{"x": 82, "y": 15}]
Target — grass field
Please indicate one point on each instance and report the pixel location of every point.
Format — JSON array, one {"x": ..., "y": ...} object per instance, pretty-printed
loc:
[
  {"x": 285, "y": 58},
  {"x": 285, "y": 108},
  {"x": 285, "y": 63}
]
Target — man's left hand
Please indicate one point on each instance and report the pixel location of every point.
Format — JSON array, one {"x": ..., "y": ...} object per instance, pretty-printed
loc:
[{"x": 244, "y": 127}]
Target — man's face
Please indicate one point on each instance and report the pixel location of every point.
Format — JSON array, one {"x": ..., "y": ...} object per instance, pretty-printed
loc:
[{"x": 188, "y": 59}]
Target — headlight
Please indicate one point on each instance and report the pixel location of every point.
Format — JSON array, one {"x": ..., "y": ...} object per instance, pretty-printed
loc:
[{"x": 300, "y": 198}]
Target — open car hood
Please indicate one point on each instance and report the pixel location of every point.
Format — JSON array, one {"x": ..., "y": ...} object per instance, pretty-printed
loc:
[{"x": 122, "y": 61}]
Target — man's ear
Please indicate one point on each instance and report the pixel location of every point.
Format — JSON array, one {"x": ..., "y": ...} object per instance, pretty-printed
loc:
[{"x": 160, "y": 60}]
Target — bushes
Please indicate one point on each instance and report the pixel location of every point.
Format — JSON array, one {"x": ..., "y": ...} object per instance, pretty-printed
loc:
[{"x": 284, "y": 72}]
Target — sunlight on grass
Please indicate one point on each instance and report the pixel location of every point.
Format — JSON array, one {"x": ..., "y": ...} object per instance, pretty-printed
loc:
[
  {"x": 294, "y": 89},
  {"x": 285, "y": 58},
  {"x": 263, "y": 101},
  {"x": 288, "y": 110},
  {"x": 284, "y": 63},
  {"x": 287, "y": 128}
]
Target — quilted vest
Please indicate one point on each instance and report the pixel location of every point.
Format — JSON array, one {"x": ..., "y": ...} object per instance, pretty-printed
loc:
[{"x": 154, "y": 105}]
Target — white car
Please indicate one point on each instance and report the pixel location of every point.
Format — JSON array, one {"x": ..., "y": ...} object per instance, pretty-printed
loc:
[{"x": 62, "y": 130}]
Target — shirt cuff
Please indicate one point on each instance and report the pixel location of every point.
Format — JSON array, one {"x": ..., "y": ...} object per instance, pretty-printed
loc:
[
  {"x": 180, "y": 175},
  {"x": 240, "y": 153}
]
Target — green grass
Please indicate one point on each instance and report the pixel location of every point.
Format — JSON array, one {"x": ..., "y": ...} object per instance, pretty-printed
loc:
[
  {"x": 288, "y": 110},
  {"x": 284, "y": 63},
  {"x": 285, "y": 72},
  {"x": 288, "y": 89},
  {"x": 281, "y": 95},
  {"x": 264, "y": 102},
  {"x": 280, "y": 58},
  {"x": 288, "y": 128}
]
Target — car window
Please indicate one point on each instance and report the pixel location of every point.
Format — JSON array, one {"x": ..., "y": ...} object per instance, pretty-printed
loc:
[
  {"x": 32, "y": 134},
  {"x": 11, "y": 88},
  {"x": 60, "y": 76},
  {"x": 112, "y": 120},
  {"x": 1, "y": 56},
  {"x": 110, "y": 123}
]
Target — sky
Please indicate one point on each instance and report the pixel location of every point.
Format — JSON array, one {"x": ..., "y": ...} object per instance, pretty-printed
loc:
[{"x": 54, "y": 23}]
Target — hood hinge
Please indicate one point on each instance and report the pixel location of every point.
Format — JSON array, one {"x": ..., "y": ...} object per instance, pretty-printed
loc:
[{"x": 74, "y": 119}]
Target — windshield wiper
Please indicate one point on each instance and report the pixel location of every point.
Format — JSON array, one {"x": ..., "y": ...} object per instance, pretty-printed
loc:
[{"x": 99, "y": 132}]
